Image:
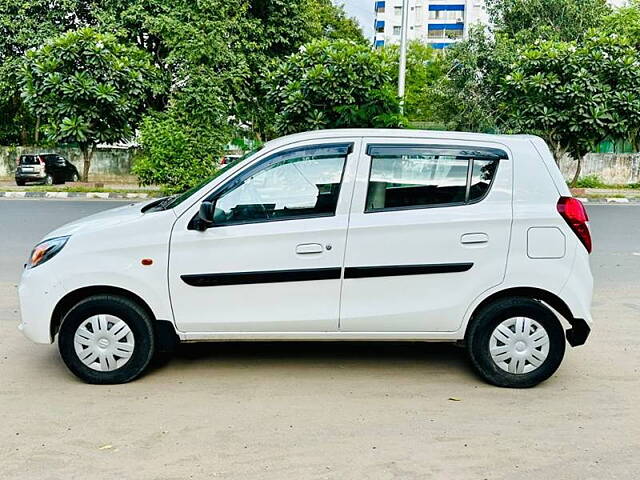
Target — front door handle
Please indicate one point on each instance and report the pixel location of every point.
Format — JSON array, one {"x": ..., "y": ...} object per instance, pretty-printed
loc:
[
  {"x": 307, "y": 248},
  {"x": 474, "y": 238}
]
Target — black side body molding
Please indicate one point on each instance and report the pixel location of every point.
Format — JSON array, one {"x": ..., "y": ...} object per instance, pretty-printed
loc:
[
  {"x": 249, "y": 278},
  {"x": 398, "y": 270}
]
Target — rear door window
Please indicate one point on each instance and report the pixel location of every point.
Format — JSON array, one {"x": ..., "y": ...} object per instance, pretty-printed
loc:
[
  {"x": 29, "y": 160},
  {"x": 405, "y": 177}
]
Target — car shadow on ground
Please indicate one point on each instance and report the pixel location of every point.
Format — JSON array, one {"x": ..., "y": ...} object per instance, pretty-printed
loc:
[{"x": 436, "y": 357}]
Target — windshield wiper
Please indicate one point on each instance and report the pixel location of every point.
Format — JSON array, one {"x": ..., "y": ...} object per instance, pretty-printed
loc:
[{"x": 167, "y": 201}]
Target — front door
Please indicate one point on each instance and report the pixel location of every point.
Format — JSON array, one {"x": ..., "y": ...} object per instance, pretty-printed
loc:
[
  {"x": 428, "y": 233},
  {"x": 272, "y": 260}
]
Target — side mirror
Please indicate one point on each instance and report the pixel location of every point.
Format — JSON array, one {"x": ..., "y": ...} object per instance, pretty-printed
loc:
[{"x": 205, "y": 215}]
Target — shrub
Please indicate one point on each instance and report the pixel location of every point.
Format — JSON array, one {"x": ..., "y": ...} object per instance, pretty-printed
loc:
[{"x": 590, "y": 181}]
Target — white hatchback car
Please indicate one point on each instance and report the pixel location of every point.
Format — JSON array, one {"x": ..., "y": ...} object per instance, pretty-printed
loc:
[{"x": 398, "y": 235}]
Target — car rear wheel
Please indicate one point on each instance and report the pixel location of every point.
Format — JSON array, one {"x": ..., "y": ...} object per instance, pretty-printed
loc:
[
  {"x": 20, "y": 183},
  {"x": 48, "y": 180},
  {"x": 106, "y": 339},
  {"x": 515, "y": 342},
  {"x": 75, "y": 177}
]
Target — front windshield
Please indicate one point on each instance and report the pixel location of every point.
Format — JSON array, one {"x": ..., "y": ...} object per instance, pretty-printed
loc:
[{"x": 184, "y": 196}]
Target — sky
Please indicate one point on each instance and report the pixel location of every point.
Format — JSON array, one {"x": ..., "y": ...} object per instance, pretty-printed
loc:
[{"x": 362, "y": 10}]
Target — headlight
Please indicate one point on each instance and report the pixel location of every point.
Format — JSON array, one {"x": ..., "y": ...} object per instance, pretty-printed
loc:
[{"x": 46, "y": 250}]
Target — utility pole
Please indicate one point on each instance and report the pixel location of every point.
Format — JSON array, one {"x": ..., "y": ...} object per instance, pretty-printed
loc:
[{"x": 403, "y": 53}]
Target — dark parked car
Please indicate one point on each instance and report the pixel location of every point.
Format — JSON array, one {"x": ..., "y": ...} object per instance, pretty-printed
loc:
[{"x": 46, "y": 168}]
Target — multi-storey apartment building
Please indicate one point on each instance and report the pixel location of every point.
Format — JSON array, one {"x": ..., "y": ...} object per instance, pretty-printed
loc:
[{"x": 437, "y": 22}]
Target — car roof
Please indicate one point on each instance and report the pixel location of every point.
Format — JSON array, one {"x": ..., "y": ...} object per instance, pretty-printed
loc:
[{"x": 401, "y": 133}]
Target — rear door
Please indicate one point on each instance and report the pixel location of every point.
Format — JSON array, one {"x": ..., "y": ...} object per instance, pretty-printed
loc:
[{"x": 428, "y": 232}]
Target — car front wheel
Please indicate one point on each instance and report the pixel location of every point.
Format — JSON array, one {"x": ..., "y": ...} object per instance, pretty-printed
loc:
[
  {"x": 106, "y": 339},
  {"x": 516, "y": 342}
]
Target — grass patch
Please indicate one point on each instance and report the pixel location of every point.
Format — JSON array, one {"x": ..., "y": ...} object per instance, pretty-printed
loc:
[{"x": 590, "y": 181}]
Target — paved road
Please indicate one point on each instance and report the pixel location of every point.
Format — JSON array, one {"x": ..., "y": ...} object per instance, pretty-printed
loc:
[{"x": 325, "y": 410}]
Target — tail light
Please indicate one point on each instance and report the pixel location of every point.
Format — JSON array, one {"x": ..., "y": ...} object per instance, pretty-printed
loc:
[{"x": 574, "y": 213}]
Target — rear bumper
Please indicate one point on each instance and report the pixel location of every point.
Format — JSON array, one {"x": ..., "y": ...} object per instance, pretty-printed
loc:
[
  {"x": 31, "y": 177},
  {"x": 578, "y": 333}
]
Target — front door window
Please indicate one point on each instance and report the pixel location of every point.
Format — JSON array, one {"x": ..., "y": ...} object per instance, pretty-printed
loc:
[{"x": 299, "y": 183}]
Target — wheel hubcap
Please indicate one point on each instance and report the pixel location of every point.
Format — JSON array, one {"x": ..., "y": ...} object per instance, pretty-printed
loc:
[
  {"x": 519, "y": 345},
  {"x": 104, "y": 342}
]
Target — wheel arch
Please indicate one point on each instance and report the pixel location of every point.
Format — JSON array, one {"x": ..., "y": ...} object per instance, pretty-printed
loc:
[
  {"x": 72, "y": 298},
  {"x": 551, "y": 299}
]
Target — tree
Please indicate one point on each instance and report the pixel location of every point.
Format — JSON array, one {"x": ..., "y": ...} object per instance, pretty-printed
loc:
[
  {"x": 237, "y": 40},
  {"x": 87, "y": 88},
  {"x": 546, "y": 19},
  {"x": 24, "y": 25},
  {"x": 214, "y": 55},
  {"x": 425, "y": 68},
  {"x": 334, "y": 84},
  {"x": 574, "y": 95},
  {"x": 465, "y": 94}
]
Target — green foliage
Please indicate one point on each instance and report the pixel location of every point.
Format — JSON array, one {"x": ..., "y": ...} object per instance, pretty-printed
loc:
[
  {"x": 573, "y": 94},
  {"x": 24, "y": 25},
  {"x": 425, "y": 68},
  {"x": 86, "y": 87},
  {"x": 464, "y": 97},
  {"x": 213, "y": 55},
  {"x": 531, "y": 20},
  {"x": 590, "y": 181},
  {"x": 172, "y": 155},
  {"x": 334, "y": 84}
]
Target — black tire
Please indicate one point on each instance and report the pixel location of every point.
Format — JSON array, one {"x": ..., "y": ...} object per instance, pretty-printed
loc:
[
  {"x": 75, "y": 177},
  {"x": 486, "y": 321},
  {"x": 48, "y": 180},
  {"x": 126, "y": 310},
  {"x": 20, "y": 183}
]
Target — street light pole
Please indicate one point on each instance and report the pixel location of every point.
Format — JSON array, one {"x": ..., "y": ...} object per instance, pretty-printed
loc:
[{"x": 403, "y": 53}]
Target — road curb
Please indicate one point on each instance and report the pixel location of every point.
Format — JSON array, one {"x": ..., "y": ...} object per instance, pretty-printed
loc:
[
  {"x": 610, "y": 200},
  {"x": 76, "y": 195}
]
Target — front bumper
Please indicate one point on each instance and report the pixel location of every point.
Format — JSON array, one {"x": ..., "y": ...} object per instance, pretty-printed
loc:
[{"x": 39, "y": 293}]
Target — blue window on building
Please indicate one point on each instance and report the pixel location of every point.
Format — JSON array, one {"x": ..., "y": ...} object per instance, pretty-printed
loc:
[
  {"x": 445, "y": 26},
  {"x": 446, "y": 12},
  {"x": 380, "y": 7},
  {"x": 446, "y": 7},
  {"x": 379, "y": 26},
  {"x": 379, "y": 43}
]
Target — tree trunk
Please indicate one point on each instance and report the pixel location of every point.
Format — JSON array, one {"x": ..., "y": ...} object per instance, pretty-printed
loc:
[
  {"x": 87, "y": 153},
  {"x": 558, "y": 152},
  {"x": 576, "y": 177}
]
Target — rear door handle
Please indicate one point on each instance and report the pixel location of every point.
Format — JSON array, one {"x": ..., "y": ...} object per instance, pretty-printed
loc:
[
  {"x": 474, "y": 238},
  {"x": 307, "y": 248}
]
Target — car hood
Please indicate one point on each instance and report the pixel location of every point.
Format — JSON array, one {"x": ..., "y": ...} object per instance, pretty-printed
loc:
[{"x": 103, "y": 220}]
